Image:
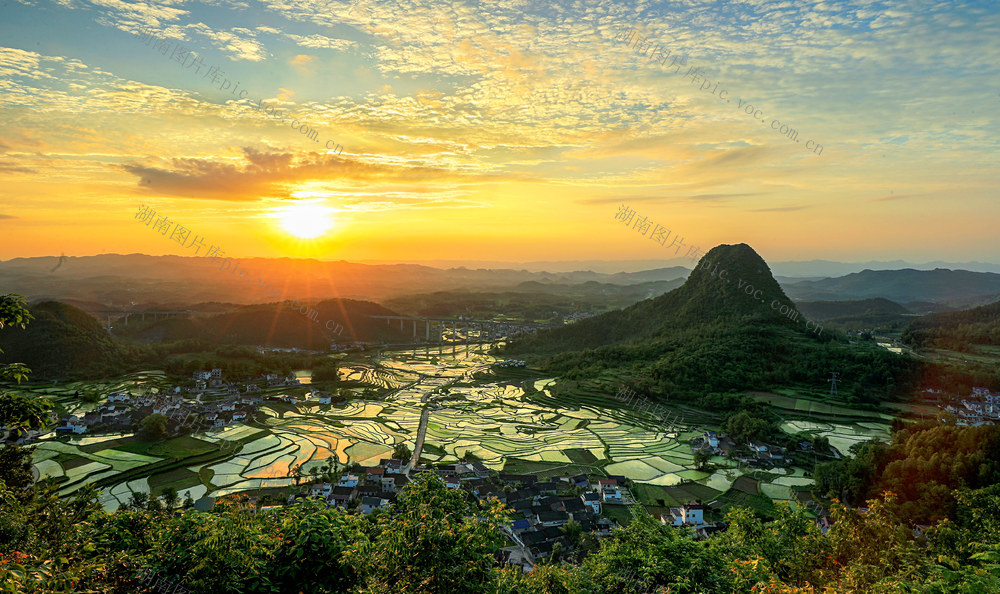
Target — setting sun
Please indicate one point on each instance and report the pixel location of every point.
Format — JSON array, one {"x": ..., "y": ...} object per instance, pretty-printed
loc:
[{"x": 305, "y": 220}]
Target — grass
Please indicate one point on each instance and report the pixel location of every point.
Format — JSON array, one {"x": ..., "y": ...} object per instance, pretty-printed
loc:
[
  {"x": 687, "y": 492},
  {"x": 650, "y": 495},
  {"x": 178, "y": 478},
  {"x": 761, "y": 505},
  {"x": 618, "y": 513},
  {"x": 580, "y": 456},
  {"x": 178, "y": 447},
  {"x": 544, "y": 470}
]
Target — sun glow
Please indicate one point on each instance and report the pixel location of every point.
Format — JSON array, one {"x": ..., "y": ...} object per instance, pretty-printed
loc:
[{"x": 305, "y": 219}]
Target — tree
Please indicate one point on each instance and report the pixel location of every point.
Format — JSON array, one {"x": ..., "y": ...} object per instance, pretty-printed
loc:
[
  {"x": 432, "y": 540},
  {"x": 297, "y": 474},
  {"x": 702, "y": 458},
  {"x": 15, "y": 467},
  {"x": 648, "y": 553},
  {"x": 744, "y": 426},
  {"x": 402, "y": 452},
  {"x": 137, "y": 500},
  {"x": 572, "y": 530},
  {"x": 169, "y": 496},
  {"x": 153, "y": 427},
  {"x": 228, "y": 551},
  {"x": 326, "y": 371},
  {"x": 19, "y": 411},
  {"x": 312, "y": 530}
]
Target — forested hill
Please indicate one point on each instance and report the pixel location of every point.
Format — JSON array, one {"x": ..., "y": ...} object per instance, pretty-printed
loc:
[
  {"x": 729, "y": 327},
  {"x": 957, "y": 329},
  {"x": 834, "y": 310},
  {"x": 715, "y": 292},
  {"x": 62, "y": 341},
  {"x": 279, "y": 324}
]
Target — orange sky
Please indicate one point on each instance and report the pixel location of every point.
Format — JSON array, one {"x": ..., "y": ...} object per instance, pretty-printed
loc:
[{"x": 471, "y": 132}]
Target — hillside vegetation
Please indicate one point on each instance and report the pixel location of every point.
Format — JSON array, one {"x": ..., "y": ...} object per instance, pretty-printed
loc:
[{"x": 729, "y": 327}]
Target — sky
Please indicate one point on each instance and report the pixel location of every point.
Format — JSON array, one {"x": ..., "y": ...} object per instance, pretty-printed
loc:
[{"x": 500, "y": 131}]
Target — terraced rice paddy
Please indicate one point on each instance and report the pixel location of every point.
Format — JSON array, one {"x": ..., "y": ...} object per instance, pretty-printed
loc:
[
  {"x": 842, "y": 437},
  {"x": 498, "y": 422}
]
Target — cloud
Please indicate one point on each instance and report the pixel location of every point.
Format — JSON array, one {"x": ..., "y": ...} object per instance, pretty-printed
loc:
[
  {"x": 4, "y": 216},
  {"x": 779, "y": 209},
  {"x": 301, "y": 63},
  {"x": 265, "y": 174},
  {"x": 664, "y": 199},
  {"x": 11, "y": 168}
]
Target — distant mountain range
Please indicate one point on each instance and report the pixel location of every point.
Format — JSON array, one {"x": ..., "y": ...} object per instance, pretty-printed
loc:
[
  {"x": 797, "y": 269},
  {"x": 140, "y": 281},
  {"x": 951, "y": 287},
  {"x": 119, "y": 281}
]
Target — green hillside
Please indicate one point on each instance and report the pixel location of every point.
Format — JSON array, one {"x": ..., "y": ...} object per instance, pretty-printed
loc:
[
  {"x": 63, "y": 341},
  {"x": 729, "y": 327},
  {"x": 276, "y": 324},
  {"x": 877, "y": 313},
  {"x": 957, "y": 329}
]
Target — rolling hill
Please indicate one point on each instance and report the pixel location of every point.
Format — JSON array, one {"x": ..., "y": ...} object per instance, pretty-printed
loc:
[
  {"x": 730, "y": 327},
  {"x": 63, "y": 341}
]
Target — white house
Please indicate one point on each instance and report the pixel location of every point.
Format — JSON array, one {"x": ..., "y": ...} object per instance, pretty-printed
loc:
[
  {"x": 689, "y": 514},
  {"x": 593, "y": 501},
  {"x": 606, "y": 484},
  {"x": 75, "y": 424},
  {"x": 614, "y": 496},
  {"x": 321, "y": 490},
  {"x": 119, "y": 397},
  {"x": 348, "y": 480},
  {"x": 370, "y": 504}
]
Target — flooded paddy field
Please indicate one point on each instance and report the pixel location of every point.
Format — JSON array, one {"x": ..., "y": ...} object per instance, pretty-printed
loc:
[{"x": 512, "y": 425}]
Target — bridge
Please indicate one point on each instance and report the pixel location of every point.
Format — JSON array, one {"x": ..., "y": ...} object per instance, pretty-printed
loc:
[
  {"x": 464, "y": 330},
  {"x": 125, "y": 313}
]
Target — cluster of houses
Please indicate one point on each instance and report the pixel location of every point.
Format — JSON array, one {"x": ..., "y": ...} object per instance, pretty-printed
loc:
[
  {"x": 367, "y": 489},
  {"x": 981, "y": 407},
  {"x": 752, "y": 453},
  {"x": 232, "y": 403},
  {"x": 510, "y": 363},
  {"x": 538, "y": 505},
  {"x": 578, "y": 315}
]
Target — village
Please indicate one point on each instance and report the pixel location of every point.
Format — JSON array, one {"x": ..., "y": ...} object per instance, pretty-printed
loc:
[
  {"x": 210, "y": 402},
  {"x": 542, "y": 510}
]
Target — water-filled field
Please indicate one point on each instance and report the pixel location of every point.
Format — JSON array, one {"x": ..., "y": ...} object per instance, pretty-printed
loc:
[{"x": 495, "y": 421}]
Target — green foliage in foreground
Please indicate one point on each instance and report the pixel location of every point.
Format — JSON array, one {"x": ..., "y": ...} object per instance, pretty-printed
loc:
[{"x": 437, "y": 540}]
